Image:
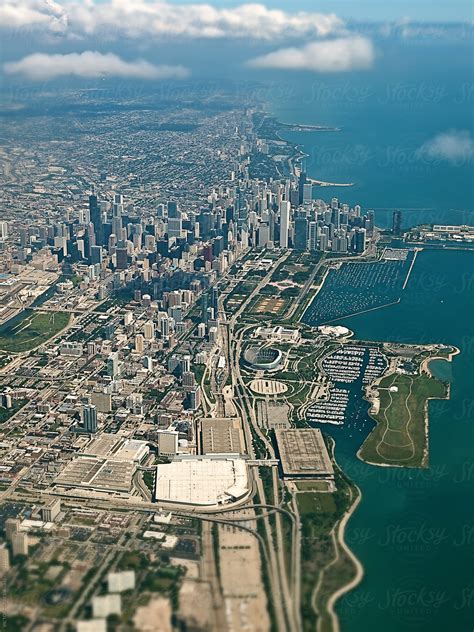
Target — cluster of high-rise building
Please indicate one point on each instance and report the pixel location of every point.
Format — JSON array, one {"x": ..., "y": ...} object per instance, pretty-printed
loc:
[
  {"x": 173, "y": 249},
  {"x": 251, "y": 214},
  {"x": 167, "y": 264}
]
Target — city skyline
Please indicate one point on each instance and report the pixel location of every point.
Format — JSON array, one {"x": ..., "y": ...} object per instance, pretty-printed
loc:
[{"x": 236, "y": 306}]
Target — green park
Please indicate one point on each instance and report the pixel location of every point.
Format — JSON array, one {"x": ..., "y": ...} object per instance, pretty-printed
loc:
[
  {"x": 400, "y": 436},
  {"x": 31, "y": 329}
]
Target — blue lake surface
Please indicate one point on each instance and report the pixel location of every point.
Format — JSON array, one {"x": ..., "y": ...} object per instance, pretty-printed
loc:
[
  {"x": 415, "y": 92},
  {"x": 414, "y": 529}
]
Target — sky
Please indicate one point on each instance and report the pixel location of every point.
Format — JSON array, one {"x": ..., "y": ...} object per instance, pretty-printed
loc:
[
  {"x": 156, "y": 40},
  {"x": 375, "y": 10},
  {"x": 61, "y": 42}
]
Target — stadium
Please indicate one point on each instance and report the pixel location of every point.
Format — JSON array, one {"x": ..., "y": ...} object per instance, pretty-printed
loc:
[{"x": 263, "y": 358}]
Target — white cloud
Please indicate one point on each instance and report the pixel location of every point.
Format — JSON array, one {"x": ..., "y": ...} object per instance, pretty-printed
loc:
[
  {"x": 333, "y": 55},
  {"x": 454, "y": 146},
  {"x": 43, "y": 15},
  {"x": 158, "y": 18},
  {"x": 90, "y": 64}
]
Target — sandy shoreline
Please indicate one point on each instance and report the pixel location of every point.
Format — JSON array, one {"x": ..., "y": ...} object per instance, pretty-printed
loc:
[
  {"x": 298, "y": 157},
  {"x": 425, "y": 365},
  {"x": 358, "y": 565}
]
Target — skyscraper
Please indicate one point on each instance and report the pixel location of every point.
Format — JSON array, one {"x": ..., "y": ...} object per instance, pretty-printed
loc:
[
  {"x": 12, "y": 526},
  {"x": 113, "y": 365},
  {"x": 194, "y": 398},
  {"x": 313, "y": 236},
  {"x": 89, "y": 418},
  {"x": 263, "y": 235},
  {"x": 205, "y": 224},
  {"x": 139, "y": 343},
  {"x": 19, "y": 543},
  {"x": 339, "y": 244},
  {"x": 397, "y": 223},
  {"x": 3, "y": 230},
  {"x": 24, "y": 236},
  {"x": 4, "y": 560},
  {"x": 336, "y": 217},
  {"x": 173, "y": 209},
  {"x": 175, "y": 226},
  {"x": 117, "y": 207},
  {"x": 96, "y": 218},
  {"x": 149, "y": 330},
  {"x": 215, "y": 300},
  {"x": 307, "y": 192},
  {"x": 185, "y": 364},
  {"x": 218, "y": 246},
  {"x": 188, "y": 379},
  {"x": 360, "y": 240},
  {"x": 284, "y": 223},
  {"x": 204, "y": 313},
  {"x": 165, "y": 327},
  {"x": 301, "y": 232},
  {"x": 301, "y": 183},
  {"x": 96, "y": 254},
  {"x": 122, "y": 258},
  {"x": 323, "y": 241}
]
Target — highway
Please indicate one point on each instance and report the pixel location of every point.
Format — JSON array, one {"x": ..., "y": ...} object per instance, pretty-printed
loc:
[{"x": 287, "y": 616}]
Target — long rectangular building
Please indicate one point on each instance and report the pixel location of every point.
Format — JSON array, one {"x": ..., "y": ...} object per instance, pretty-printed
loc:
[
  {"x": 303, "y": 453},
  {"x": 98, "y": 474},
  {"x": 222, "y": 435}
]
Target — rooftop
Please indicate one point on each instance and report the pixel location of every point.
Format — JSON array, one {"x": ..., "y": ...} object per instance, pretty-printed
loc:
[
  {"x": 222, "y": 436},
  {"x": 118, "y": 447},
  {"x": 99, "y": 474},
  {"x": 303, "y": 453},
  {"x": 202, "y": 480}
]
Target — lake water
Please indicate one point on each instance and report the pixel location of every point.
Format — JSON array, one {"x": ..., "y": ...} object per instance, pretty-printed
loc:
[
  {"x": 414, "y": 529},
  {"x": 414, "y": 93}
]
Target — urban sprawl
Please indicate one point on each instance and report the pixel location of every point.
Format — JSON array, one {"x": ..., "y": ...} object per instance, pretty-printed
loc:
[{"x": 163, "y": 359}]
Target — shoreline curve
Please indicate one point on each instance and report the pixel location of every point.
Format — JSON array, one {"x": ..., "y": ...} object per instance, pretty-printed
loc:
[{"x": 353, "y": 583}]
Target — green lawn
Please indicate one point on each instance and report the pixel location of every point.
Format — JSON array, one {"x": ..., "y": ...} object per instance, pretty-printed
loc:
[
  {"x": 31, "y": 329},
  {"x": 309, "y": 503},
  {"x": 312, "y": 486},
  {"x": 400, "y": 435},
  {"x": 324, "y": 563},
  {"x": 6, "y": 413}
]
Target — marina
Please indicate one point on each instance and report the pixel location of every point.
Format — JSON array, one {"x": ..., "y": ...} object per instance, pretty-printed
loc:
[
  {"x": 344, "y": 365},
  {"x": 354, "y": 288},
  {"x": 349, "y": 368},
  {"x": 375, "y": 367},
  {"x": 331, "y": 411}
]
